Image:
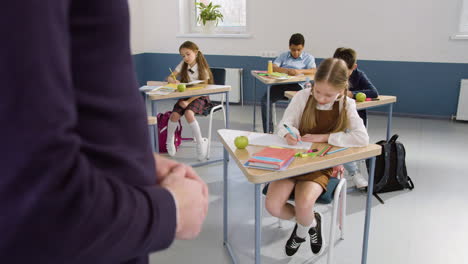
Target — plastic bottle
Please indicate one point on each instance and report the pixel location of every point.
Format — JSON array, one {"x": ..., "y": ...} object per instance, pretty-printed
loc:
[
  {"x": 307, "y": 84},
  {"x": 270, "y": 67}
]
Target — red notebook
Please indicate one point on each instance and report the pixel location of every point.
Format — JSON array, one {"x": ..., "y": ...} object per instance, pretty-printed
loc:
[{"x": 271, "y": 158}]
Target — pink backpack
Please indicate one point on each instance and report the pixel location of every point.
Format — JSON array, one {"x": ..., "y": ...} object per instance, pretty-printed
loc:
[{"x": 163, "y": 120}]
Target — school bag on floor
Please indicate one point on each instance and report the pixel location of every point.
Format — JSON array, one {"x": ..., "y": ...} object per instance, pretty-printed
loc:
[
  {"x": 390, "y": 172},
  {"x": 163, "y": 120}
]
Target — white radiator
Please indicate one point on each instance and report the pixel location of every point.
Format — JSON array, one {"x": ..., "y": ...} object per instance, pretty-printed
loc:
[
  {"x": 234, "y": 79},
  {"x": 462, "y": 111}
]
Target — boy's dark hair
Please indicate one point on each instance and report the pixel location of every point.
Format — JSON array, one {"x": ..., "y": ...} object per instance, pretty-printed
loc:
[
  {"x": 347, "y": 54},
  {"x": 297, "y": 39}
]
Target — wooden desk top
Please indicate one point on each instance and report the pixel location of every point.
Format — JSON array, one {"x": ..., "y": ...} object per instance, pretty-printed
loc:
[
  {"x": 298, "y": 166},
  {"x": 208, "y": 89},
  {"x": 383, "y": 100},
  {"x": 269, "y": 80}
]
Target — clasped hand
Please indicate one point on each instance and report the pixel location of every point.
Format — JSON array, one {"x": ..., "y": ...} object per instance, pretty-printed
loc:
[{"x": 190, "y": 193}]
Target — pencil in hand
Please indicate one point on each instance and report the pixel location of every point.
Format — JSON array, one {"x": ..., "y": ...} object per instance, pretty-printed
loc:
[{"x": 172, "y": 74}]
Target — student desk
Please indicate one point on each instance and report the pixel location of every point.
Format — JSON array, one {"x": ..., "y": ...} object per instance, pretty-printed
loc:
[
  {"x": 269, "y": 82},
  {"x": 297, "y": 167},
  {"x": 383, "y": 100},
  {"x": 151, "y": 101}
]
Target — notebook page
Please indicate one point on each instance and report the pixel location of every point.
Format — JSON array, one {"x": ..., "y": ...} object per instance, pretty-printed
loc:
[{"x": 273, "y": 140}]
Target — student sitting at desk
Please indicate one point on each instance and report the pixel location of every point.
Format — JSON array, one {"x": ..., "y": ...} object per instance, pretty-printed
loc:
[
  {"x": 321, "y": 114},
  {"x": 358, "y": 83},
  {"x": 293, "y": 62},
  {"x": 193, "y": 67}
]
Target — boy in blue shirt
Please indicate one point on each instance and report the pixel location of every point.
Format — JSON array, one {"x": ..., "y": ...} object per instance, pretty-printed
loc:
[
  {"x": 358, "y": 83},
  {"x": 293, "y": 62}
]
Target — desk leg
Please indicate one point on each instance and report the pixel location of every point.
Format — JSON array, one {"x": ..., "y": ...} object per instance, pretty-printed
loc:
[
  {"x": 255, "y": 104},
  {"x": 389, "y": 120},
  {"x": 370, "y": 190},
  {"x": 258, "y": 224},
  {"x": 268, "y": 111},
  {"x": 152, "y": 133},
  {"x": 154, "y": 112},
  {"x": 227, "y": 109},
  {"x": 225, "y": 193}
]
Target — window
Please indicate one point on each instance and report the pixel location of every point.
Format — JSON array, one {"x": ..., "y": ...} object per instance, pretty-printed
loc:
[
  {"x": 234, "y": 12},
  {"x": 463, "y": 25}
]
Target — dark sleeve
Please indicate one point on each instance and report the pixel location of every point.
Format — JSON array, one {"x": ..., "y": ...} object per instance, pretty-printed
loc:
[
  {"x": 78, "y": 180},
  {"x": 361, "y": 84}
]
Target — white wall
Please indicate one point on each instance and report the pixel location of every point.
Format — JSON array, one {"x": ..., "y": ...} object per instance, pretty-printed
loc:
[
  {"x": 137, "y": 26},
  {"x": 397, "y": 30}
]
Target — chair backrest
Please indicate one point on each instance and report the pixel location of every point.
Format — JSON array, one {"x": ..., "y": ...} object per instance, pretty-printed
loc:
[{"x": 219, "y": 75}]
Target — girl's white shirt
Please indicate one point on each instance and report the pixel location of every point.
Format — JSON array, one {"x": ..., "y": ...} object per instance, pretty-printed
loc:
[
  {"x": 355, "y": 136},
  {"x": 192, "y": 76}
]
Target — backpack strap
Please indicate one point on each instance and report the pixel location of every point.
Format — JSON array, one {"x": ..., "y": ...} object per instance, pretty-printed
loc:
[
  {"x": 393, "y": 139},
  {"x": 402, "y": 173},
  {"x": 386, "y": 155}
]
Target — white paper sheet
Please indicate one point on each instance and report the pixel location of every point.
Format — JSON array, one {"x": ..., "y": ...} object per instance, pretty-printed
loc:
[
  {"x": 192, "y": 82},
  {"x": 274, "y": 140}
]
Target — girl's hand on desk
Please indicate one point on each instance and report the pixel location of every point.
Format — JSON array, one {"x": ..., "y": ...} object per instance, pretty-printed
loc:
[
  {"x": 292, "y": 140},
  {"x": 317, "y": 138},
  {"x": 183, "y": 104}
]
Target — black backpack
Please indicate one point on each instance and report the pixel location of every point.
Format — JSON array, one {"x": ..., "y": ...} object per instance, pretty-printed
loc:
[{"x": 390, "y": 168}]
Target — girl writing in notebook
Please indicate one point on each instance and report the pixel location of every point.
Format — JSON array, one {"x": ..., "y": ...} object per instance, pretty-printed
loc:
[
  {"x": 193, "y": 67},
  {"x": 322, "y": 113}
]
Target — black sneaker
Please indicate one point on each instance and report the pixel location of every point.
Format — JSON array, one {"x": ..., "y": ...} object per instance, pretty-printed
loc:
[
  {"x": 315, "y": 234},
  {"x": 293, "y": 243}
]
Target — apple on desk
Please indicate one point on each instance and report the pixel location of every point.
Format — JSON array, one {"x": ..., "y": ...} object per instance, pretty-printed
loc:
[
  {"x": 360, "y": 97},
  {"x": 181, "y": 87}
]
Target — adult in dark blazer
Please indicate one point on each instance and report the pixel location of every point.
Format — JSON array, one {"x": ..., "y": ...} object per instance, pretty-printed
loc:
[{"x": 78, "y": 181}]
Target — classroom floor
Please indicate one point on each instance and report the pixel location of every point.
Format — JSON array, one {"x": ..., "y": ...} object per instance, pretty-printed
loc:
[{"x": 426, "y": 225}]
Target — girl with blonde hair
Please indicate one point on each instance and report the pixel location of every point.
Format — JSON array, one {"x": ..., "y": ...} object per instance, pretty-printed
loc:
[{"x": 322, "y": 113}]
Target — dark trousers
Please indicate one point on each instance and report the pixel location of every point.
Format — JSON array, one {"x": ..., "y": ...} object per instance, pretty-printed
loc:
[
  {"x": 276, "y": 93},
  {"x": 363, "y": 115}
]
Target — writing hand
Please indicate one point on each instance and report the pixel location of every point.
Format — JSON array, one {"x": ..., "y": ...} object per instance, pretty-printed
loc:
[{"x": 292, "y": 140}]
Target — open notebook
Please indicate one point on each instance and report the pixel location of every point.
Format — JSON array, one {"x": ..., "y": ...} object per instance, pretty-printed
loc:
[{"x": 273, "y": 140}]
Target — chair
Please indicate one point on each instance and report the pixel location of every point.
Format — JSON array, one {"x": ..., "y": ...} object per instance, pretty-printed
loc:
[
  {"x": 152, "y": 122},
  {"x": 335, "y": 195},
  {"x": 219, "y": 78}
]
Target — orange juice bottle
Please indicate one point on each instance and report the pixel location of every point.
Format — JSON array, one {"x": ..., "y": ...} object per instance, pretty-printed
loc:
[{"x": 270, "y": 67}]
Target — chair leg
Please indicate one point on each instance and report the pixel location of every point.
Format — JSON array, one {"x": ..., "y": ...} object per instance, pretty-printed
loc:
[
  {"x": 273, "y": 116},
  {"x": 209, "y": 135},
  {"x": 343, "y": 209},
  {"x": 334, "y": 217},
  {"x": 331, "y": 238}
]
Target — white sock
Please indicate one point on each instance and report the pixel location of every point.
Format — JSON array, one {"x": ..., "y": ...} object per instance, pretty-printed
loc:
[
  {"x": 302, "y": 231},
  {"x": 314, "y": 223},
  {"x": 171, "y": 128},
  {"x": 196, "y": 131}
]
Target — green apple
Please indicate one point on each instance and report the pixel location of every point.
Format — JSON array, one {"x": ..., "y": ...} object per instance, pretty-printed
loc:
[
  {"x": 360, "y": 97},
  {"x": 181, "y": 87},
  {"x": 241, "y": 142}
]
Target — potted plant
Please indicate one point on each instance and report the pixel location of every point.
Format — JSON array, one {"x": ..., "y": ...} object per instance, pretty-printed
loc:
[{"x": 209, "y": 16}]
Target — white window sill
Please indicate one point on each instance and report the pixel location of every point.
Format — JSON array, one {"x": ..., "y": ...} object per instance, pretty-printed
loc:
[
  {"x": 459, "y": 36},
  {"x": 214, "y": 35}
]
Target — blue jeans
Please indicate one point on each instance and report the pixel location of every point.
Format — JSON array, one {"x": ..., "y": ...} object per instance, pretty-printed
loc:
[{"x": 351, "y": 167}]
